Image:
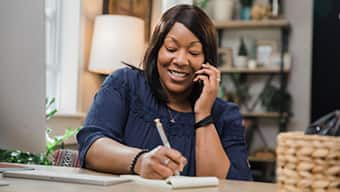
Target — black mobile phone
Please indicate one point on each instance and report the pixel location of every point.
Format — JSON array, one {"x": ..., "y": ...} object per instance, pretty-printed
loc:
[{"x": 200, "y": 84}]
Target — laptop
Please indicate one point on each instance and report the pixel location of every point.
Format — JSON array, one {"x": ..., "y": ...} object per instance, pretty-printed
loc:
[
  {"x": 74, "y": 177},
  {"x": 13, "y": 167}
]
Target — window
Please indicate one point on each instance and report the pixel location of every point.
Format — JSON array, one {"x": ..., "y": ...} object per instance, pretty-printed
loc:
[{"x": 62, "y": 53}]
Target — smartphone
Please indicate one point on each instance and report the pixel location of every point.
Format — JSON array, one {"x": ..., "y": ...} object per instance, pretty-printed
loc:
[{"x": 198, "y": 86}]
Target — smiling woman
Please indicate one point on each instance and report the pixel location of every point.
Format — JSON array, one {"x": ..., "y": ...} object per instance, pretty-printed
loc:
[{"x": 205, "y": 133}]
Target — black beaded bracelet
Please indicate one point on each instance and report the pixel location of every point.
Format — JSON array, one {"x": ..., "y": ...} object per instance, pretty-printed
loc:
[
  {"x": 206, "y": 121},
  {"x": 134, "y": 161}
]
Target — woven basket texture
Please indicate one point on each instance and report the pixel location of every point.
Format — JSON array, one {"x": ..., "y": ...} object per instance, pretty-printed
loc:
[{"x": 308, "y": 163}]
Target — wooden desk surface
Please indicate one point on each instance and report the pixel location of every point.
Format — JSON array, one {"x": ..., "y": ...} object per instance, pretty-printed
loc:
[{"x": 27, "y": 185}]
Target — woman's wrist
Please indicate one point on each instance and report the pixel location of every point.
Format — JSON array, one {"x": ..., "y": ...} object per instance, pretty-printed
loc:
[
  {"x": 201, "y": 115},
  {"x": 204, "y": 122},
  {"x": 135, "y": 163}
]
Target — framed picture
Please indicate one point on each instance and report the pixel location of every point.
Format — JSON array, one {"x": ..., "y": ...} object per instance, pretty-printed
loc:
[
  {"x": 137, "y": 8},
  {"x": 264, "y": 50},
  {"x": 225, "y": 57}
]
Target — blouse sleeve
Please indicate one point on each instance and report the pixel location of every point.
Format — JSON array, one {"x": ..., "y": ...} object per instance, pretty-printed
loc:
[
  {"x": 233, "y": 141},
  {"x": 107, "y": 115}
]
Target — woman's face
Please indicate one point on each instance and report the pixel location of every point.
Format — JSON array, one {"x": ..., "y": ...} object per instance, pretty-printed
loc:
[{"x": 179, "y": 57}]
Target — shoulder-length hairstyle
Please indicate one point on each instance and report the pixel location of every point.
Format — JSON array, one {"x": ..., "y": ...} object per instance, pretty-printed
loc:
[{"x": 199, "y": 24}]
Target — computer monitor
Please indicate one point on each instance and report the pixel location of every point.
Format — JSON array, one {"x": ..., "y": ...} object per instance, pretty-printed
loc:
[{"x": 22, "y": 75}]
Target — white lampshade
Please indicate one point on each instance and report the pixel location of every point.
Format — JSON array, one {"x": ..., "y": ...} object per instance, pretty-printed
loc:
[{"x": 116, "y": 38}]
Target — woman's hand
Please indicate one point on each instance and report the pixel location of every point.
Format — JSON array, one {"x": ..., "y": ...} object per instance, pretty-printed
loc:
[
  {"x": 211, "y": 78},
  {"x": 160, "y": 163}
]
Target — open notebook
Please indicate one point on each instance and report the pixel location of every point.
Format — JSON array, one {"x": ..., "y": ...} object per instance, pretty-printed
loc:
[
  {"x": 81, "y": 178},
  {"x": 176, "y": 182}
]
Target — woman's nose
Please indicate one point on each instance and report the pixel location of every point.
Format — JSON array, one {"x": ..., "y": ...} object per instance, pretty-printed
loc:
[{"x": 181, "y": 58}]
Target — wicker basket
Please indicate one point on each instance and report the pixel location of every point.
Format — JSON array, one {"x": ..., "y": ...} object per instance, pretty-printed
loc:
[{"x": 308, "y": 162}]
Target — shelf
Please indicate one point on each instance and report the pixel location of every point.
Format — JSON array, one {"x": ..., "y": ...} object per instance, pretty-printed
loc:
[
  {"x": 256, "y": 159},
  {"x": 262, "y": 114},
  {"x": 260, "y": 70},
  {"x": 235, "y": 24}
]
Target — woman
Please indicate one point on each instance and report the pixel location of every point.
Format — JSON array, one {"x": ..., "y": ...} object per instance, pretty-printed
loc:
[{"x": 179, "y": 85}]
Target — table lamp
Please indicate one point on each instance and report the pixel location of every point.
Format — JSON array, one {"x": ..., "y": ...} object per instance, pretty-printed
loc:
[{"x": 116, "y": 38}]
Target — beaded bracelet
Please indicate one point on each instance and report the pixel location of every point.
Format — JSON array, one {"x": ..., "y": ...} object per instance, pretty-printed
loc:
[
  {"x": 206, "y": 121},
  {"x": 134, "y": 161}
]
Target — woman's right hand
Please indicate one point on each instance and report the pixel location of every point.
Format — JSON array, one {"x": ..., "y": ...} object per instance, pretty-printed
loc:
[{"x": 160, "y": 163}]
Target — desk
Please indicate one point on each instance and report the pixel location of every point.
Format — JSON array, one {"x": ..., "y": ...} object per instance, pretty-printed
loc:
[{"x": 26, "y": 185}]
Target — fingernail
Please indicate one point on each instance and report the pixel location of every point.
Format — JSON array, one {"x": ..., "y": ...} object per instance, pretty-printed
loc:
[{"x": 184, "y": 160}]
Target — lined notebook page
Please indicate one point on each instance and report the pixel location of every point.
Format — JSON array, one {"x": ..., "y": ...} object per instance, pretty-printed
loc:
[{"x": 176, "y": 182}]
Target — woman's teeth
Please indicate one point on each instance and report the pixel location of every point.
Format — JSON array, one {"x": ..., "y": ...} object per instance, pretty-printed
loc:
[{"x": 177, "y": 74}]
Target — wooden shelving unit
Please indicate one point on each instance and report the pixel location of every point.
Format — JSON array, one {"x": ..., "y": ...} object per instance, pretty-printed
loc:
[
  {"x": 264, "y": 166},
  {"x": 263, "y": 114},
  {"x": 234, "y": 24},
  {"x": 262, "y": 70},
  {"x": 256, "y": 159}
]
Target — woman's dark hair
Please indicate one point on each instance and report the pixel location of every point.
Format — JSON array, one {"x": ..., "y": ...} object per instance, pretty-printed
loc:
[{"x": 199, "y": 24}]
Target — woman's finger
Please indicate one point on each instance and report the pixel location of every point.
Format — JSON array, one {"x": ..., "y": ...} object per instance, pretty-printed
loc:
[
  {"x": 162, "y": 170},
  {"x": 173, "y": 158},
  {"x": 214, "y": 74}
]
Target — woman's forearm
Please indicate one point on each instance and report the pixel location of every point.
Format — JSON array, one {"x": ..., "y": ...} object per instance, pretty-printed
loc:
[
  {"x": 107, "y": 155},
  {"x": 210, "y": 156}
]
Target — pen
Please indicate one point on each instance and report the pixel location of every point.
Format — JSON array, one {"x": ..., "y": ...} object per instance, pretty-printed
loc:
[
  {"x": 164, "y": 139},
  {"x": 161, "y": 132}
]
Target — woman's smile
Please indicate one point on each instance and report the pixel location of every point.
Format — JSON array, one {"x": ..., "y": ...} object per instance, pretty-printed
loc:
[{"x": 179, "y": 76}]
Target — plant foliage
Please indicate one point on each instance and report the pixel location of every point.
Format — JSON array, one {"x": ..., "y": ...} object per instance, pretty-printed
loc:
[{"x": 52, "y": 144}]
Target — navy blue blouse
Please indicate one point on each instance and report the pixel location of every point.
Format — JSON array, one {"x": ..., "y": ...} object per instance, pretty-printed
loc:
[{"x": 124, "y": 109}]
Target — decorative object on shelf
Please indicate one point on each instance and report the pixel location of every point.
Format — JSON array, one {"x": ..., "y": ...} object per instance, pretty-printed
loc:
[
  {"x": 275, "y": 60},
  {"x": 275, "y": 8},
  {"x": 226, "y": 57},
  {"x": 252, "y": 64},
  {"x": 272, "y": 98},
  {"x": 241, "y": 88},
  {"x": 245, "y": 9},
  {"x": 260, "y": 11},
  {"x": 223, "y": 10},
  {"x": 264, "y": 154},
  {"x": 242, "y": 57},
  {"x": 116, "y": 38},
  {"x": 287, "y": 60},
  {"x": 203, "y": 4},
  {"x": 264, "y": 50}
]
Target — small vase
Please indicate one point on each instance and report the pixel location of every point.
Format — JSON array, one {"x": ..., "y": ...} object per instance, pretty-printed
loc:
[
  {"x": 241, "y": 61},
  {"x": 223, "y": 10},
  {"x": 245, "y": 13}
]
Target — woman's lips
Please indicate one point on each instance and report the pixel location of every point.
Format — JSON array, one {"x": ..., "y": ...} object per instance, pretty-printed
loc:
[{"x": 178, "y": 76}]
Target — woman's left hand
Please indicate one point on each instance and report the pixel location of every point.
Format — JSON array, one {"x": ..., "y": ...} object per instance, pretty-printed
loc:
[{"x": 211, "y": 78}]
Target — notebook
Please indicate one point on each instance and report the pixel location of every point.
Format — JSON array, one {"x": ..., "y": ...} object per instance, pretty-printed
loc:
[
  {"x": 176, "y": 182},
  {"x": 68, "y": 177}
]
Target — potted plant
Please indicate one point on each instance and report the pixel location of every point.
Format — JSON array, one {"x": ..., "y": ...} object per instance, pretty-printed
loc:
[
  {"x": 52, "y": 144},
  {"x": 242, "y": 56}
]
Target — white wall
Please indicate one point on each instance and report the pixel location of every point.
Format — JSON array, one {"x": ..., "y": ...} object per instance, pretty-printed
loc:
[{"x": 300, "y": 15}]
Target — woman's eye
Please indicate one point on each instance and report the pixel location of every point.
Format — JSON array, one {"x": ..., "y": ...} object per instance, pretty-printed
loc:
[
  {"x": 195, "y": 53},
  {"x": 171, "y": 49}
]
